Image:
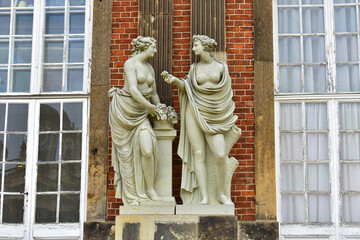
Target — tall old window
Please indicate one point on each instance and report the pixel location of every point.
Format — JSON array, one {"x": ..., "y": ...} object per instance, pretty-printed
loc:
[
  {"x": 44, "y": 97},
  {"x": 317, "y": 106}
]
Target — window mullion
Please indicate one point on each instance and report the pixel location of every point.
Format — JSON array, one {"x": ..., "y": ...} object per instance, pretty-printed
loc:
[{"x": 330, "y": 45}]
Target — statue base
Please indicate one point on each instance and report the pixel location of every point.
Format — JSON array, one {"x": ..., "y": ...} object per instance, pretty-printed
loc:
[
  {"x": 205, "y": 210},
  {"x": 165, "y": 206}
]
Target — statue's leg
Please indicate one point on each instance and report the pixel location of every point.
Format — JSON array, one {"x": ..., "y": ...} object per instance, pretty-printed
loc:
[
  {"x": 197, "y": 141},
  {"x": 217, "y": 145},
  {"x": 146, "y": 148}
]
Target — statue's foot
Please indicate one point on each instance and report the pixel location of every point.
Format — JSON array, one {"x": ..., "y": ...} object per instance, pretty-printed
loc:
[
  {"x": 224, "y": 200},
  {"x": 135, "y": 203},
  {"x": 153, "y": 195},
  {"x": 204, "y": 201}
]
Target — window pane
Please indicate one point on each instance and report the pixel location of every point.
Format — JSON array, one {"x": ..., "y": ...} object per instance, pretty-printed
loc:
[
  {"x": 17, "y": 117},
  {"x": 72, "y": 116},
  {"x": 21, "y": 79},
  {"x": 5, "y": 3},
  {"x": 289, "y": 49},
  {"x": 317, "y": 147},
  {"x": 290, "y": 79},
  {"x": 53, "y": 51},
  {"x": 5, "y": 24},
  {"x": 48, "y": 147},
  {"x": 314, "y": 49},
  {"x": 291, "y": 147},
  {"x": 47, "y": 179},
  {"x": 313, "y": 15},
  {"x": 45, "y": 209},
  {"x": 52, "y": 80},
  {"x": 4, "y": 52},
  {"x": 350, "y": 146},
  {"x": 308, "y": 2},
  {"x": 77, "y": 23},
  {"x": 318, "y": 177},
  {"x": 76, "y": 51},
  {"x": 351, "y": 208},
  {"x": 345, "y": 19},
  {"x": 22, "y": 52},
  {"x": 289, "y": 20},
  {"x": 347, "y": 77},
  {"x": 77, "y": 2},
  {"x": 344, "y": 1},
  {"x": 349, "y": 115},
  {"x": 346, "y": 48},
  {"x": 316, "y": 116},
  {"x": 54, "y": 23},
  {"x": 3, "y": 79},
  {"x": 288, "y": 2},
  {"x": 70, "y": 177},
  {"x": 14, "y": 178},
  {"x": 315, "y": 79},
  {"x": 350, "y": 177},
  {"x": 319, "y": 208},
  {"x": 290, "y": 116},
  {"x": 71, "y": 146},
  {"x": 69, "y": 208},
  {"x": 24, "y": 24},
  {"x": 13, "y": 209},
  {"x": 16, "y": 148},
  {"x": 292, "y": 177},
  {"x": 75, "y": 79},
  {"x": 2, "y": 116},
  {"x": 292, "y": 208},
  {"x": 50, "y": 117},
  {"x": 55, "y": 3}
]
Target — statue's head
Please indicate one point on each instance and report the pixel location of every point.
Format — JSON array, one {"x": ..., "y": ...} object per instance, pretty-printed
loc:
[
  {"x": 208, "y": 43},
  {"x": 141, "y": 43}
]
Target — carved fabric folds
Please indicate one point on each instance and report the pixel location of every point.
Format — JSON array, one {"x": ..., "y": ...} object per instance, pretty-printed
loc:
[
  {"x": 213, "y": 109},
  {"x": 127, "y": 119}
]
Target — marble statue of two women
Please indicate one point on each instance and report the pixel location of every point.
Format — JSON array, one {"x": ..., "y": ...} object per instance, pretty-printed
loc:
[{"x": 207, "y": 131}]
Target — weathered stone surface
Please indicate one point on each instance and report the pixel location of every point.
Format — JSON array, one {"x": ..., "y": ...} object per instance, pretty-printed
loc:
[
  {"x": 98, "y": 230},
  {"x": 131, "y": 231},
  {"x": 175, "y": 231},
  {"x": 259, "y": 230},
  {"x": 205, "y": 209},
  {"x": 217, "y": 227}
]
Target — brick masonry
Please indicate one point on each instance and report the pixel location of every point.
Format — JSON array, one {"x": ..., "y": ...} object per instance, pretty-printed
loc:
[{"x": 240, "y": 60}]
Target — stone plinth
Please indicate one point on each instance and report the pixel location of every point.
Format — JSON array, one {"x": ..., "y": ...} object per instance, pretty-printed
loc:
[
  {"x": 205, "y": 210},
  {"x": 150, "y": 227},
  {"x": 166, "y": 206}
]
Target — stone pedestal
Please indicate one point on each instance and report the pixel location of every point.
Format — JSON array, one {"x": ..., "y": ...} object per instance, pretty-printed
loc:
[
  {"x": 151, "y": 227},
  {"x": 205, "y": 210}
]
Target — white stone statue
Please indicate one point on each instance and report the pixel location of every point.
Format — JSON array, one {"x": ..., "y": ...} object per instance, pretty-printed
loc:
[
  {"x": 134, "y": 149},
  {"x": 208, "y": 129}
]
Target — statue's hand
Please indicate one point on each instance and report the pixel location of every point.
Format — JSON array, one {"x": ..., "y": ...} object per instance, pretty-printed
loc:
[
  {"x": 152, "y": 110},
  {"x": 167, "y": 77}
]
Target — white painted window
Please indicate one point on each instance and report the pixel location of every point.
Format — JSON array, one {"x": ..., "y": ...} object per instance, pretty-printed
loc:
[
  {"x": 45, "y": 51},
  {"x": 317, "y": 113}
]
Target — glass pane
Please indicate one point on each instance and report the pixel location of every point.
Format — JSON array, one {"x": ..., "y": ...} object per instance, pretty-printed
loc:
[
  {"x": 318, "y": 177},
  {"x": 50, "y": 117},
  {"x": 77, "y": 23},
  {"x": 347, "y": 77},
  {"x": 290, "y": 116},
  {"x": 54, "y": 23},
  {"x": 346, "y": 48},
  {"x": 290, "y": 79},
  {"x": 13, "y": 209},
  {"x": 75, "y": 79},
  {"x": 349, "y": 115},
  {"x": 76, "y": 51},
  {"x": 351, "y": 208},
  {"x": 344, "y": 1},
  {"x": 345, "y": 19},
  {"x": 48, "y": 147},
  {"x": 77, "y": 2},
  {"x": 350, "y": 146},
  {"x": 292, "y": 177},
  {"x": 289, "y": 50},
  {"x": 24, "y": 24},
  {"x": 17, "y": 117},
  {"x": 69, "y": 208},
  {"x": 2, "y": 116},
  {"x": 350, "y": 177},
  {"x": 55, "y": 2},
  {"x": 308, "y": 2},
  {"x": 4, "y": 52},
  {"x": 317, "y": 147},
  {"x": 3, "y": 79},
  {"x": 5, "y": 24},
  {"x": 22, "y": 52},
  {"x": 72, "y": 116},
  {"x": 319, "y": 208},
  {"x": 316, "y": 116},
  {"x": 314, "y": 49},
  {"x": 313, "y": 15},
  {"x": 52, "y": 80},
  {"x": 5, "y": 3},
  {"x": 53, "y": 52},
  {"x": 70, "y": 177},
  {"x": 47, "y": 179},
  {"x": 315, "y": 79},
  {"x": 16, "y": 148},
  {"x": 291, "y": 147},
  {"x": 14, "y": 178},
  {"x": 289, "y": 20},
  {"x": 71, "y": 146},
  {"x": 1, "y": 152},
  {"x": 292, "y": 208},
  {"x": 288, "y": 2},
  {"x": 45, "y": 209},
  {"x": 21, "y": 80}
]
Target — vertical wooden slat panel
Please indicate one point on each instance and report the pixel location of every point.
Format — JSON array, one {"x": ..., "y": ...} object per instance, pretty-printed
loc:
[
  {"x": 156, "y": 20},
  {"x": 208, "y": 18}
]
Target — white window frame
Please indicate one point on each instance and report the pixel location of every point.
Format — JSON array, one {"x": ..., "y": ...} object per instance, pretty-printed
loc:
[{"x": 336, "y": 230}]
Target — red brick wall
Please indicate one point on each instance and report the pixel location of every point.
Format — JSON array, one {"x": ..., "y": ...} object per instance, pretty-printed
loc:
[{"x": 240, "y": 59}]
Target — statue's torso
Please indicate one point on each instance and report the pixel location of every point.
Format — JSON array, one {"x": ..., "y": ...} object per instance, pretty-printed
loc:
[{"x": 208, "y": 74}]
